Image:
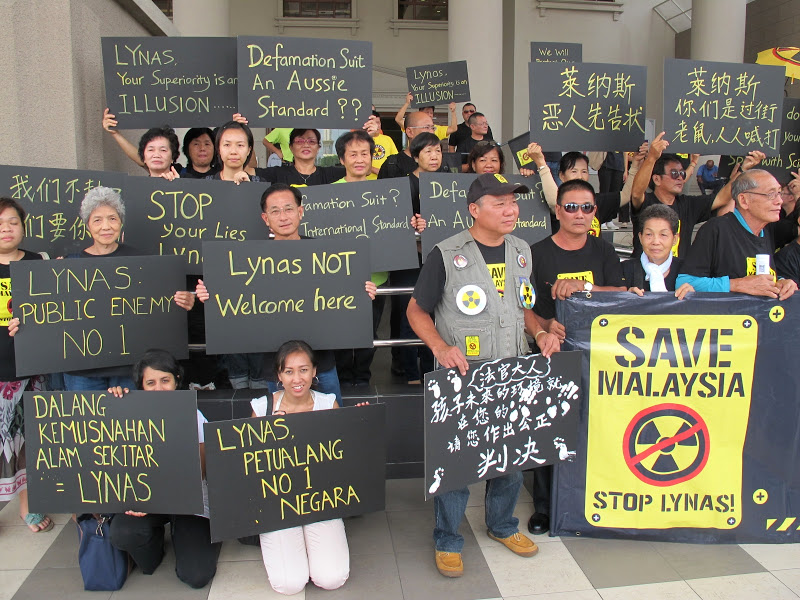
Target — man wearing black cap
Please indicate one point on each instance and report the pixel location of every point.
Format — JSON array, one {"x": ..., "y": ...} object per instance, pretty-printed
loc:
[{"x": 493, "y": 268}]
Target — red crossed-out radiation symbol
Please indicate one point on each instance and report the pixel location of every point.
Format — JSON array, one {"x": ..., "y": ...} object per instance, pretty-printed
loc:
[{"x": 666, "y": 444}]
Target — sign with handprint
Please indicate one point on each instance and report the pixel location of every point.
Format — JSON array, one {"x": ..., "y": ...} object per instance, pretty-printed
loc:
[{"x": 503, "y": 416}]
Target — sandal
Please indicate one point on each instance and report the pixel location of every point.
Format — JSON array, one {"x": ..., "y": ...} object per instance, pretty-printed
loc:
[{"x": 34, "y": 522}]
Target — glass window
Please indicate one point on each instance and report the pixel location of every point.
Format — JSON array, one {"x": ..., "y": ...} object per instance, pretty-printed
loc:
[
  {"x": 422, "y": 10},
  {"x": 321, "y": 9}
]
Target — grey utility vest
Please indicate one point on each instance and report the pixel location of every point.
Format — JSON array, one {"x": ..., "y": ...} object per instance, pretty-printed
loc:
[{"x": 498, "y": 331}]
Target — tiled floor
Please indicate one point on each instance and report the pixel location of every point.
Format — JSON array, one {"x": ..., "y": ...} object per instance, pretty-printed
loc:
[{"x": 392, "y": 558}]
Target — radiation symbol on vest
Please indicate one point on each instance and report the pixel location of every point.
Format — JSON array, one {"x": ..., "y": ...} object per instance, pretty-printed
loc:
[
  {"x": 526, "y": 294},
  {"x": 471, "y": 300},
  {"x": 666, "y": 444}
]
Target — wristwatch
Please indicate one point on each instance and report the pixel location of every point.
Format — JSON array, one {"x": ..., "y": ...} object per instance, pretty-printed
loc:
[{"x": 587, "y": 286}]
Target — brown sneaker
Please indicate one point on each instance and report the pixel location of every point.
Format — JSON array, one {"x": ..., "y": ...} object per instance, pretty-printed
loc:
[
  {"x": 517, "y": 543},
  {"x": 449, "y": 564}
]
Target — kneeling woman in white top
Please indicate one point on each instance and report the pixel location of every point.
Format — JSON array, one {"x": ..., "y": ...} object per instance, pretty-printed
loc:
[{"x": 318, "y": 550}]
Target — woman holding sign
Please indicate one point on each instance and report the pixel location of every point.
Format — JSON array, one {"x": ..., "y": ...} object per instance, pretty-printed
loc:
[
  {"x": 141, "y": 534},
  {"x": 157, "y": 152},
  {"x": 102, "y": 213},
  {"x": 319, "y": 550},
  {"x": 12, "y": 461},
  {"x": 234, "y": 148}
]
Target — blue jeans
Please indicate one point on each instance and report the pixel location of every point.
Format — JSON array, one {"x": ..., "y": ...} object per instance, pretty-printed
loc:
[
  {"x": 328, "y": 384},
  {"x": 245, "y": 370},
  {"x": 80, "y": 383},
  {"x": 501, "y": 498}
]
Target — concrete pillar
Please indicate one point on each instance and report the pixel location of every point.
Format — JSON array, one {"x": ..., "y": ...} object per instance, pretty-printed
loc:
[
  {"x": 202, "y": 18},
  {"x": 718, "y": 30},
  {"x": 476, "y": 35}
]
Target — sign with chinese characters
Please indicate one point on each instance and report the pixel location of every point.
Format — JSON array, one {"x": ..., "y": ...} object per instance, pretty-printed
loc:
[
  {"x": 722, "y": 108},
  {"x": 587, "y": 106},
  {"x": 503, "y": 416},
  {"x": 788, "y": 159},
  {"x": 183, "y": 81},
  {"x": 52, "y": 200}
]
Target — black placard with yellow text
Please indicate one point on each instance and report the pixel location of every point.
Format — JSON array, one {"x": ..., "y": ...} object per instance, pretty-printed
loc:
[
  {"x": 443, "y": 202},
  {"x": 690, "y": 419},
  {"x": 266, "y": 293},
  {"x": 90, "y": 452},
  {"x": 270, "y": 473},
  {"x": 85, "y": 313},
  {"x": 52, "y": 200}
]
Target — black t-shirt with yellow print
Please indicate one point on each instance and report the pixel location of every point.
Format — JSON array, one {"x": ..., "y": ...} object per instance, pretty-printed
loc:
[{"x": 596, "y": 262}]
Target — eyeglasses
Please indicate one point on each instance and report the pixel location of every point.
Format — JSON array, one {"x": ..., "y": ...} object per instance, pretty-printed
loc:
[
  {"x": 573, "y": 207},
  {"x": 426, "y": 127},
  {"x": 287, "y": 210},
  {"x": 676, "y": 174},
  {"x": 769, "y": 196},
  {"x": 305, "y": 141}
]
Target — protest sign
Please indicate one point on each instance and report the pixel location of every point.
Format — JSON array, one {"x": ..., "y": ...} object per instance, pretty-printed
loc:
[
  {"x": 722, "y": 108},
  {"x": 519, "y": 150},
  {"x": 89, "y": 452},
  {"x": 377, "y": 210},
  {"x": 441, "y": 83},
  {"x": 52, "y": 200},
  {"x": 443, "y": 201},
  {"x": 505, "y": 415},
  {"x": 84, "y": 313},
  {"x": 276, "y": 472},
  {"x": 265, "y": 293},
  {"x": 788, "y": 159},
  {"x": 556, "y": 52},
  {"x": 176, "y": 217},
  {"x": 690, "y": 409},
  {"x": 591, "y": 106},
  {"x": 304, "y": 82},
  {"x": 180, "y": 81}
]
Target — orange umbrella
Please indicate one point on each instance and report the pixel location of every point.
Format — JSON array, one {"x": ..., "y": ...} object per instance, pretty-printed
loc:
[{"x": 783, "y": 57}]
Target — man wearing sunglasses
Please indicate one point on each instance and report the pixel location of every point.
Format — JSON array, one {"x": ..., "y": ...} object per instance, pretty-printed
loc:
[
  {"x": 668, "y": 179},
  {"x": 728, "y": 250},
  {"x": 569, "y": 261}
]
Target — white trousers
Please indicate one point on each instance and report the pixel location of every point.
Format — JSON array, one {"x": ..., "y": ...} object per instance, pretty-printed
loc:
[{"x": 318, "y": 551}]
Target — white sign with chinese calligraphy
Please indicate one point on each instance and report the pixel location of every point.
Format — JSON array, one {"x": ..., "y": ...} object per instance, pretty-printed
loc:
[{"x": 504, "y": 415}]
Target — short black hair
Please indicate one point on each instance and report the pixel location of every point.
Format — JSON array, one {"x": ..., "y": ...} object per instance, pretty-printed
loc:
[
  {"x": 659, "y": 211},
  {"x": 280, "y": 187},
  {"x": 156, "y": 132},
  {"x": 473, "y": 117},
  {"x": 573, "y": 185},
  {"x": 6, "y": 202},
  {"x": 296, "y": 133},
  {"x": 422, "y": 141},
  {"x": 356, "y": 135},
  {"x": 483, "y": 148},
  {"x": 569, "y": 159},
  {"x": 192, "y": 135},
  {"x": 291, "y": 347},
  {"x": 160, "y": 360}
]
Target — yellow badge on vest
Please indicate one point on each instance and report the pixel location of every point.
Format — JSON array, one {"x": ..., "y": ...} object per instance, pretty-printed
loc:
[
  {"x": 471, "y": 300},
  {"x": 473, "y": 345},
  {"x": 527, "y": 295}
]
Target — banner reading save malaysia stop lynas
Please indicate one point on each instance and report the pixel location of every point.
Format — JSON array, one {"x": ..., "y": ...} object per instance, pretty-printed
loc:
[{"x": 690, "y": 429}]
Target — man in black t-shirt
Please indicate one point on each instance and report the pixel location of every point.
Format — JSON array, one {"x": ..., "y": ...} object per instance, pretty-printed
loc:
[
  {"x": 726, "y": 252},
  {"x": 668, "y": 178},
  {"x": 479, "y": 127},
  {"x": 463, "y": 131},
  {"x": 569, "y": 261},
  {"x": 401, "y": 164}
]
